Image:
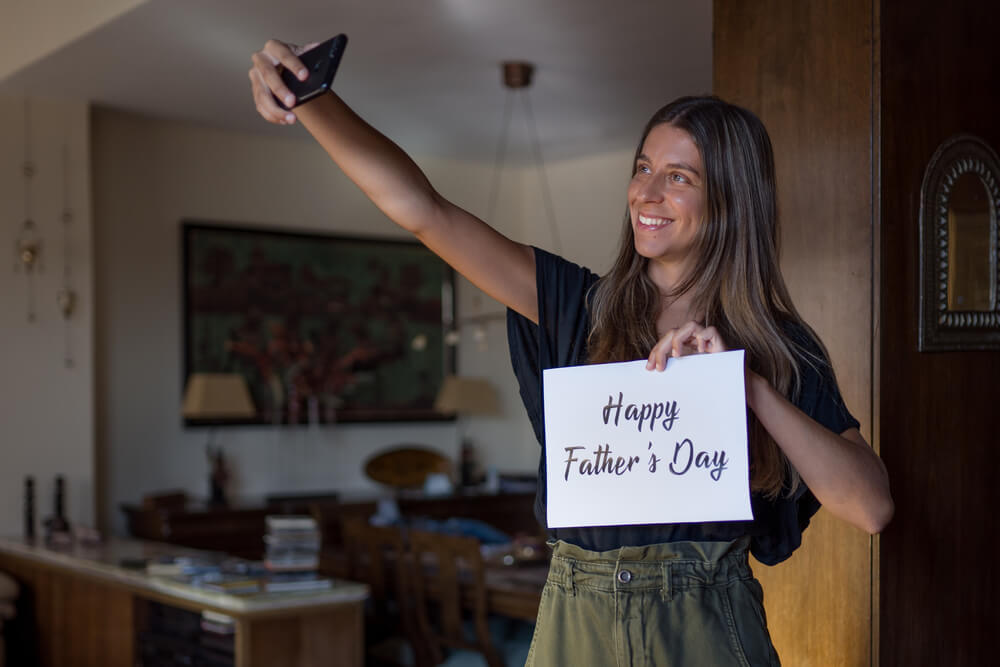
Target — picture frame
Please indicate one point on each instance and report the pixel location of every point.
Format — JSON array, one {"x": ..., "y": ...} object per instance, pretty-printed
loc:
[
  {"x": 959, "y": 306},
  {"x": 323, "y": 328}
]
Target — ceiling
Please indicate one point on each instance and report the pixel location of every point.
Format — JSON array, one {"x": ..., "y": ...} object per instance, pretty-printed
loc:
[{"x": 425, "y": 72}]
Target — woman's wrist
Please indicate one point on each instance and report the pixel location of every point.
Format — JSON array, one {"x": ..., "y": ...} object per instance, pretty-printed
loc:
[{"x": 756, "y": 386}]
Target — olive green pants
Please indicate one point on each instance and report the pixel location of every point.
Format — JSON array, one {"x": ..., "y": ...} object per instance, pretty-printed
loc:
[{"x": 684, "y": 604}]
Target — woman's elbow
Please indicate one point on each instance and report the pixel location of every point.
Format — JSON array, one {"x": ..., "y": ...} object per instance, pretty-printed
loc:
[{"x": 878, "y": 516}]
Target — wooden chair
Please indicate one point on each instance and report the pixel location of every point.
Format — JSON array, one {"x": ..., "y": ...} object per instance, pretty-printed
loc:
[
  {"x": 377, "y": 555},
  {"x": 449, "y": 577}
]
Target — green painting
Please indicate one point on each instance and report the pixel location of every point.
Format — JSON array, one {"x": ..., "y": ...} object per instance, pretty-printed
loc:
[{"x": 323, "y": 328}]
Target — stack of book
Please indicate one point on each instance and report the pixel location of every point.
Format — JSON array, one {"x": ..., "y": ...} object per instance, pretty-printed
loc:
[
  {"x": 292, "y": 544},
  {"x": 292, "y": 554},
  {"x": 168, "y": 636},
  {"x": 218, "y": 632}
]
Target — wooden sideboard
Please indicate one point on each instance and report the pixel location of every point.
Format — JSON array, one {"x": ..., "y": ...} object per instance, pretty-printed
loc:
[
  {"x": 86, "y": 609},
  {"x": 239, "y": 530}
]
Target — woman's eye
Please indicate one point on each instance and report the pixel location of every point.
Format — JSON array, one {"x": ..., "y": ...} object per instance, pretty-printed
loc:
[
  {"x": 642, "y": 169},
  {"x": 678, "y": 178}
]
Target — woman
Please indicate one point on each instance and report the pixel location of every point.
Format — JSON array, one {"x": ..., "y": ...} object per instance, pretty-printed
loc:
[{"x": 697, "y": 272}]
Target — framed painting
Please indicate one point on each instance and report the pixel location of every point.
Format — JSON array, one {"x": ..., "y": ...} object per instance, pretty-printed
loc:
[{"x": 323, "y": 328}]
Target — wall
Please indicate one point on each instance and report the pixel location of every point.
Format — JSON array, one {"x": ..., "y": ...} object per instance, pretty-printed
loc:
[
  {"x": 806, "y": 69},
  {"x": 150, "y": 174},
  {"x": 939, "y": 417},
  {"x": 46, "y": 408}
]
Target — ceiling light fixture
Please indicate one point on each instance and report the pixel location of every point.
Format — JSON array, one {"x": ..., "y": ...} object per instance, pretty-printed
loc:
[{"x": 516, "y": 77}]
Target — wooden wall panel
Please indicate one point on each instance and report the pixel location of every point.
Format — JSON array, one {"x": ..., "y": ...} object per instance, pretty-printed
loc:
[
  {"x": 806, "y": 68},
  {"x": 77, "y": 621},
  {"x": 939, "y": 412},
  {"x": 328, "y": 639}
]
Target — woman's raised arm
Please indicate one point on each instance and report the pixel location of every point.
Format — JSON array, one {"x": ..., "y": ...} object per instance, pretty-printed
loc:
[{"x": 502, "y": 268}]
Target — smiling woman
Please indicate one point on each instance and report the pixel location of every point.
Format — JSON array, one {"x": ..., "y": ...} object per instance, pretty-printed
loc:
[{"x": 697, "y": 271}]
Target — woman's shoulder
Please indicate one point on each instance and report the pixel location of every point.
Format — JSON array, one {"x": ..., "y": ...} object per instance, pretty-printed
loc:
[
  {"x": 551, "y": 259},
  {"x": 553, "y": 270}
]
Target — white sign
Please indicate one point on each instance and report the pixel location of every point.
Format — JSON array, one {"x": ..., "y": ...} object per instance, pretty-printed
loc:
[{"x": 625, "y": 445}]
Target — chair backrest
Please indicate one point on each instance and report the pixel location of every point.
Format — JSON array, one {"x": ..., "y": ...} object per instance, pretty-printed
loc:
[
  {"x": 375, "y": 555},
  {"x": 378, "y": 556},
  {"x": 449, "y": 587}
]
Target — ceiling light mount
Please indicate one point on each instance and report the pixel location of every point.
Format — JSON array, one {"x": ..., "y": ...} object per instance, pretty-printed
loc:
[{"x": 517, "y": 74}]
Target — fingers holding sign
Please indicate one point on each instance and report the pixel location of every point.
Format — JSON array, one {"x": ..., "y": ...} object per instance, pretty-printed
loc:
[{"x": 692, "y": 338}]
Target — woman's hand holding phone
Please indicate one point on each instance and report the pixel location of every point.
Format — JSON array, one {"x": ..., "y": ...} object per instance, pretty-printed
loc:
[
  {"x": 266, "y": 82},
  {"x": 284, "y": 75}
]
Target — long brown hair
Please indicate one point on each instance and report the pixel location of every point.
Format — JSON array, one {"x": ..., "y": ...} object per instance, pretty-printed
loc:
[{"x": 736, "y": 280}]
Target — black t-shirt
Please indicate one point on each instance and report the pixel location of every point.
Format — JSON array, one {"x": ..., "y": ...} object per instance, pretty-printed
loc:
[{"x": 560, "y": 339}]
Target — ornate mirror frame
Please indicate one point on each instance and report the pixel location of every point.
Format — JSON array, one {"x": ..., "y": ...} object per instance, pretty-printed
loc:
[{"x": 940, "y": 327}]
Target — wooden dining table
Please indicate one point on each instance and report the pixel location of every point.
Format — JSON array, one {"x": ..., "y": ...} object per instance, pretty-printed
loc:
[
  {"x": 515, "y": 590},
  {"x": 512, "y": 589}
]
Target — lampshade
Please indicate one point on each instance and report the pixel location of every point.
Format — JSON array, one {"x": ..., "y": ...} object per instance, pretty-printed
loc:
[
  {"x": 467, "y": 396},
  {"x": 217, "y": 396}
]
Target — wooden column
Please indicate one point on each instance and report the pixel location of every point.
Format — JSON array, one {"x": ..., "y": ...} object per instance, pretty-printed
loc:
[{"x": 806, "y": 68}]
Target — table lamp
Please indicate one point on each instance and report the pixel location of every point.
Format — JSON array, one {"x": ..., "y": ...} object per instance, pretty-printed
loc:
[
  {"x": 467, "y": 396},
  {"x": 213, "y": 398}
]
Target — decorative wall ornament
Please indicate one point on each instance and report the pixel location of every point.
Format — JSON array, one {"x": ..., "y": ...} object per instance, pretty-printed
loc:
[
  {"x": 66, "y": 296},
  {"x": 28, "y": 242},
  {"x": 960, "y": 247}
]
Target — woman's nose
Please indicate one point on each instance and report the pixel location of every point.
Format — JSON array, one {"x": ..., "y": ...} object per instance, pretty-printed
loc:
[{"x": 652, "y": 189}]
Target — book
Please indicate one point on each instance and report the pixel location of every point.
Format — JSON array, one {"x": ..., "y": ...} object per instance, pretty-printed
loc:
[
  {"x": 277, "y": 522},
  {"x": 218, "y": 619},
  {"x": 306, "y": 581},
  {"x": 292, "y": 564},
  {"x": 233, "y": 584}
]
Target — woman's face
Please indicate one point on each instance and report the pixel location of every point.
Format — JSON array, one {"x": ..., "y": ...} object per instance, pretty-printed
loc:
[{"x": 666, "y": 198}]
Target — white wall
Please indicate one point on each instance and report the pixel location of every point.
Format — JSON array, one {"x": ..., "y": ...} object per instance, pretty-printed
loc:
[
  {"x": 150, "y": 174},
  {"x": 46, "y": 408}
]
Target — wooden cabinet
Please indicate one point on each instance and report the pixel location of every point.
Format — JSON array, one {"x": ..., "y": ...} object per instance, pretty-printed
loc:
[{"x": 80, "y": 607}]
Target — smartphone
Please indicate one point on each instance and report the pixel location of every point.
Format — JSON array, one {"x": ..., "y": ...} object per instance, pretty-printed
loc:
[{"x": 322, "y": 62}]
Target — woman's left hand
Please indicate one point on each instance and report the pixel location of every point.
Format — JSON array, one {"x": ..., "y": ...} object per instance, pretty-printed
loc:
[{"x": 692, "y": 338}]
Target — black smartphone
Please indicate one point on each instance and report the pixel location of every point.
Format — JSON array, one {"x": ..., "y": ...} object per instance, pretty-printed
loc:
[{"x": 322, "y": 62}]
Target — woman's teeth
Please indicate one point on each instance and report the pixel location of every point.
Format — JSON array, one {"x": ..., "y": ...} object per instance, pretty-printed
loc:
[{"x": 653, "y": 222}]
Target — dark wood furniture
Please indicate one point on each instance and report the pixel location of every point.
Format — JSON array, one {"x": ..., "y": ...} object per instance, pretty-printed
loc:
[
  {"x": 239, "y": 530},
  {"x": 377, "y": 556},
  {"x": 449, "y": 588},
  {"x": 515, "y": 591}
]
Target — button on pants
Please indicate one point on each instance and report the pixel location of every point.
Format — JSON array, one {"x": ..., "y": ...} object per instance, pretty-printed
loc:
[{"x": 684, "y": 604}]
